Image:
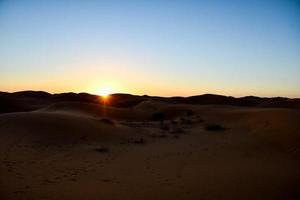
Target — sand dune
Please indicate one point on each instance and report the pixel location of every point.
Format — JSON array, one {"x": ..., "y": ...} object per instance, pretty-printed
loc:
[
  {"x": 34, "y": 100},
  {"x": 79, "y": 150},
  {"x": 97, "y": 110},
  {"x": 59, "y": 128}
]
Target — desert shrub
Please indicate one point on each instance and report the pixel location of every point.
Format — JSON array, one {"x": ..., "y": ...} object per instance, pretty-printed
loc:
[
  {"x": 139, "y": 141},
  {"x": 214, "y": 127},
  {"x": 185, "y": 121},
  {"x": 107, "y": 121},
  {"x": 177, "y": 131},
  {"x": 102, "y": 150},
  {"x": 158, "y": 116},
  {"x": 176, "y": 136},
  {"x": 163, "y": 136},
  {"x": 174, "y": 122},
  {"x": 199, "y": 118},
  {"x": 190, "y": 113},
  {"x": 188, "y": 121},
  {"x": 164, "y": 127},
  {"x": 159, "y": 135}
]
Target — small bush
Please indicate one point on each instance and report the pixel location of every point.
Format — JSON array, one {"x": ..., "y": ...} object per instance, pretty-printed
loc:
[
  {"x": 159, "y": 135},
  {"x": 174, "y": 122},
  {"x": 214, "y": 127},
  {"x": 164, "y": 127},
  {"x": 190, "y": 113},
  {"x": 177, "y": 131},
  {"x": 176, "y": 136},
  {"x": 139, "y": 141},
  {"x": 188, "y": 121},
  {"x": 158, "y": 116},
  {"x": 102, "y": 150}
]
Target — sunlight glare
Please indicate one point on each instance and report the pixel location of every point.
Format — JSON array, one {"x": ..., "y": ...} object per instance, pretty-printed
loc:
[{"x": 104, "y": 92}]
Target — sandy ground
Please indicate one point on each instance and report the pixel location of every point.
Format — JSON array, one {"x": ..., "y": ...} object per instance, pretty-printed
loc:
[{"x": 66, "y": 151}]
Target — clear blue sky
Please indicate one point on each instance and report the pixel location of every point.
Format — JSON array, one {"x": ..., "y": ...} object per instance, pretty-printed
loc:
[{"x": 151, "y": 47}]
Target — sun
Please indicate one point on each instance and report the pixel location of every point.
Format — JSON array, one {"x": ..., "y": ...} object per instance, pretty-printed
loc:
[{"x": 104, "y": 92}]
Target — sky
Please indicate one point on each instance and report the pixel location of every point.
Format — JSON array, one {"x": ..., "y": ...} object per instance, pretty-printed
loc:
[{"x": 165, "y": 48}]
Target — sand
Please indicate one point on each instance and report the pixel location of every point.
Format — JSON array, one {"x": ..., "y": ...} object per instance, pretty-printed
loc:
[{"x": 67, "y": 151}]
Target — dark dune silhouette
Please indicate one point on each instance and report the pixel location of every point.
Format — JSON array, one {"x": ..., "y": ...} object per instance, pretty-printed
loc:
[{"x": 32, "y": 100}]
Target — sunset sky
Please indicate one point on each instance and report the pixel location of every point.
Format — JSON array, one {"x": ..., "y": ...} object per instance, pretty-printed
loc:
[{"x": 165, "y": 48}]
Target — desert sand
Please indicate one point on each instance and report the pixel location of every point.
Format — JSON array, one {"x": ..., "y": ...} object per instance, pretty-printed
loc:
[{"x": 79, "y": 150}]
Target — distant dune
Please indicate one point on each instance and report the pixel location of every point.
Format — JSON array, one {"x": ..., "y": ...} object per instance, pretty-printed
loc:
[
  {"x": 72, "y": 146},
  {"x": 32, "y": 100}
]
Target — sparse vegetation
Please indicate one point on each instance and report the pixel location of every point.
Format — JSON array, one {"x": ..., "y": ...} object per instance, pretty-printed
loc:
[
  {"x": 102, "y": 150},
  {"x": 174, "y": 122},
  {"x": 190, "y": 113},
  {"x": 139, "y": 141},
  {"x": 188, "y": 121},
  {"x": 185, "y": 120},
  {"x": 178, "y": 131},
  {"x": 176, "y": 137},
  {"x": 214, "y": 127},
  {"x": 159, "y": 135},
  {"x": 164, "y": 127},
  {"x": 158, "y": 116}
]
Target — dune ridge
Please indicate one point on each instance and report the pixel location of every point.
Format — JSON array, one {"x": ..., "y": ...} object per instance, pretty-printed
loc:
[{"x": 33, "y": 100}]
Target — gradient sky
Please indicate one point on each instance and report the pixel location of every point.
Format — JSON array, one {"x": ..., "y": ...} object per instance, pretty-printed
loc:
[{"x": 152, "y": 47}]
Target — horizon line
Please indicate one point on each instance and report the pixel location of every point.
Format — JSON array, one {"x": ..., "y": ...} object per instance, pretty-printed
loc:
[{"x": 173, "y": 96}]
